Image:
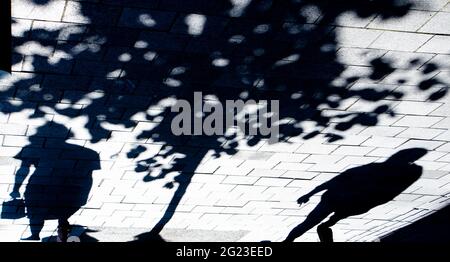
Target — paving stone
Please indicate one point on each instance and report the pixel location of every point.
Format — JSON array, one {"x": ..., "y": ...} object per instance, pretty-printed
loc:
[
  {"x": 24, "y": 116},
  {"x": 323, "y": 158},
  {"x": 412, "y": 21},
  {"x": 40, "y": 153},
  {"x": 233, "y": 171},
  {"x": 207, "y": 178},
  {"x": 266, "y": 172},
  {"x": 251, "y": 155},
  {"x": 352, "y": 19},
  {"x": 20, "y": 27},
  {"x": 287, "y": 157},
  {"x": 266, "y": 181},
  {"x": 258, "y": 164},
  {"x": 369, "y": 106},
  {"x": 163, "y": 41},
  {"x": 350, "y": 132},
  {"x": 384, "y": 153},
  {"x": 338, "y": 167},
  {"x": 13, "y": 129},
  {"x": 125, "y": 54},
  {"x": 445, "y": 136},
  {"x": 34, "y": 48},
  {"x": 445, "y": 158},
  {"x": 22, "y": 141},
  {"x": 194, "y": 6},
  {"x": 416, "y": 108},
  {"x": 225, "y": 162},
  {"x": 351, "y": 140},
  {"x": 199, "y": 25},
  {"x": 430, "y": 165},
  {"x": 400, "y": 41},
  {"x": 408, "y": 77},
  {"x": 384, "y": 142},
  {"x": 356, "y": 37},
  {"x": 444, "y": 78},
  {"x": 388, "y": 131},
  {"x": 279, "y": 147},
  {"x": 419, "y": 121},
  {"x": 117, "y": 36},
  {"x": 46, "y": 65},
  {"x": 133, "y": 3},
  {"x": 432, "y": 5},
  {"x": 136, "y": 101},
  {"x": 90, "y": 13},
  {"x": 94, "y": 68},
  {"x": 293, "y": 166},
  {"x": 52, "y": 11},
  {"x": 407, "y": 60},
  {"x": 430, "y": 145},
  {"x": 438, "y": 24},
  {"x": 314, "y": 148},
  {"x": 57, "y": 31},
  {"x": 438, "y": 44},
  {"x": 413, "y": 93},
  {"x": 447, "y": 8},
  {"x": 352, "y": 150},
  {"x": 442, "y": 110},
  {"x": 441, "y": 61},
  {"x": 144, "y": 18},
  {"x": 420, "y": 133},
  {"x": 356, "y": 160},
  {"x": 445, "y": 123},
  {"x": 358, "y": 56},
  {"x": 446, "y": 168},
  {"x": 299, "y": 175}
]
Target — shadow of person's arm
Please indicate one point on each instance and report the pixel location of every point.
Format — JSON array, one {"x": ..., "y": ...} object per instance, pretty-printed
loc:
[
  {"x": 305, "y": 198},
  {"x": 21, "y": 174}
]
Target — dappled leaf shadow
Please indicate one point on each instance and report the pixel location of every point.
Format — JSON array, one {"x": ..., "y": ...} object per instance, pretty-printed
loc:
[{"x": 104, "y": 75}]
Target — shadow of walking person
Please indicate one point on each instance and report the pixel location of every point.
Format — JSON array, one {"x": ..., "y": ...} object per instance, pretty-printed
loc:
[
  {"x": 359, "y": 189},
  {"x": 60, "y": 181}
]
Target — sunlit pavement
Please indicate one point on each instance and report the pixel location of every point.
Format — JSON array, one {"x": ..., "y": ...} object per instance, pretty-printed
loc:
[{"x": 108, "y": 71}]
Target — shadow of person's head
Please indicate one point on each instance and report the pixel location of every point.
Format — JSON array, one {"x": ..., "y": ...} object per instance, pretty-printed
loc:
[
  {"x": 54, "y": 130},
  {"x": 406, "y": 156}
]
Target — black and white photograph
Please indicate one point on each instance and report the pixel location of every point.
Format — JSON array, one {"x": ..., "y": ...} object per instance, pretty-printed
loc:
[{"x": 267, "y": 126}]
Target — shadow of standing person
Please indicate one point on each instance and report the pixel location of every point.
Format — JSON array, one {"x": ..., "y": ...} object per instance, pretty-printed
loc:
[
  {"x": 60, "y": 181},
  {"x": 359, "y": 189}
]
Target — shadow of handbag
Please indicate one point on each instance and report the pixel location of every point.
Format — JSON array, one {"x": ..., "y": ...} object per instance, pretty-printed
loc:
[{"x": 13, "y": 209}]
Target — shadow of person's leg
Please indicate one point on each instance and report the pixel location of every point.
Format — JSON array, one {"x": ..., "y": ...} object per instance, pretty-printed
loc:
[
  {"x": 319, "y": 213},
  {"x": 63, "y": 229},
  {"x": 324, "y": 231},
  {"x": 36, "y": 225}
]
